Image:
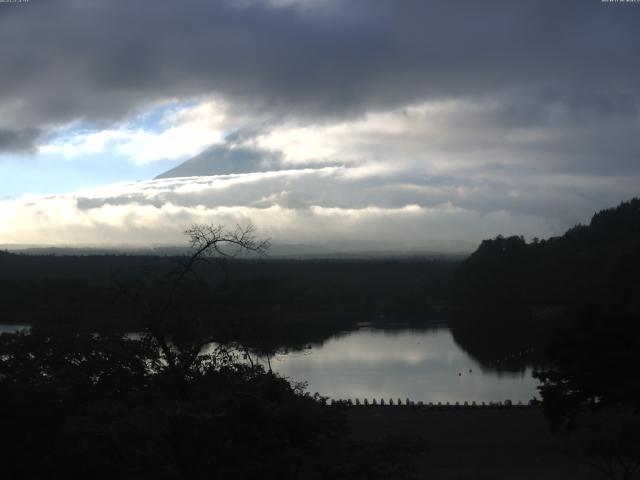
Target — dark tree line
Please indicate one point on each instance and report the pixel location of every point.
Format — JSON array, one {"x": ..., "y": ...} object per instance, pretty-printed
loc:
[{"x": 267, "y": 303}]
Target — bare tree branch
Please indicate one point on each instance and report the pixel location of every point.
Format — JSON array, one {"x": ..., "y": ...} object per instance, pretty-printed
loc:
[{"x": 206, "y": 242}]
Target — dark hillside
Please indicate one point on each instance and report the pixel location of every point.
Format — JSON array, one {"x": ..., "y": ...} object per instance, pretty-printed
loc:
[
  {"x": 512, "y": 296},
  {"x": 588, "y": 265}
]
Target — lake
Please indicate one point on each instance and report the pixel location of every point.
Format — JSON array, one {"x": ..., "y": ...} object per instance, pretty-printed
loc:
[
  {"x": 12, "y": 328},
  {"x": 422, "y": 365}
]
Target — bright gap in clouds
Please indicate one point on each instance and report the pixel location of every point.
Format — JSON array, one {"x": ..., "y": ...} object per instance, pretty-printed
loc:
[
  {"x": 76, "y": 156},
  {"x": 172, "y": 131}
]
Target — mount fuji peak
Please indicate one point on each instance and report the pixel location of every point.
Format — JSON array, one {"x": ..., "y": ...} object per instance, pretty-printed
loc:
[{"x": 225, "y": 160}]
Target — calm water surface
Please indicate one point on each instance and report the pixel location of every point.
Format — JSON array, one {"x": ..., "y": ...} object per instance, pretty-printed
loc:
[
  {"x": 13, "y": 328},
  {"x": 420, "y": 365}
]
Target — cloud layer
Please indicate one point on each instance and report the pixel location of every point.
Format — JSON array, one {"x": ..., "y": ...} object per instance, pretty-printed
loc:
[
  {"x": 308, "y": 206},
  {"x": 65, "y": 60},
  {"x": 414, "y": 124}
]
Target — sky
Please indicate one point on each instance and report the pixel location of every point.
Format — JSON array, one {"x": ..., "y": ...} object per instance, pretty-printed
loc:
[{"x": 414, "y": 125}]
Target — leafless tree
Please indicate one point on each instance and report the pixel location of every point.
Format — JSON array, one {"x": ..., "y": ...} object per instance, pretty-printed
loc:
[{"x": 208, "y": 243}]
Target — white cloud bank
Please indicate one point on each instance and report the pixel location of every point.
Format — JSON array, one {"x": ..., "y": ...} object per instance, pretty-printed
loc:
[{"x": 157, "y": 211}]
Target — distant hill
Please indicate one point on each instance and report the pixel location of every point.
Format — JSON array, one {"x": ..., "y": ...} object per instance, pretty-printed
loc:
[
  {"x": 90, "y": 251},
  {"x": 595, "y": 264},
  {"x": 295, "y": 251}
]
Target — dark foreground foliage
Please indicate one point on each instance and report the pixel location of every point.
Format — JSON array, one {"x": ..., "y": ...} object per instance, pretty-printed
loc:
[
  {"x": 593, "y": 362},
  {"x": 591, "y": 389},
  {"x": 79, "y": 405}
]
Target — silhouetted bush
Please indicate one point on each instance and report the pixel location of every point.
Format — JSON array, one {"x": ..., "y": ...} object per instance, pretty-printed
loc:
[{"x": 80, "y": 405}]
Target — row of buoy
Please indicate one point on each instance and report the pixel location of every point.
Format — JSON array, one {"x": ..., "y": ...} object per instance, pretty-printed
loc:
[
  {"x": 505, "y": 359},
  {"x": 431, "y": 405},
  {"x": 513, "y": 356}
]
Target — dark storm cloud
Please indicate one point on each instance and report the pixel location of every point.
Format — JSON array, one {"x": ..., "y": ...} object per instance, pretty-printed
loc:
[
  {"x": 65, "y": 60},
  {"x": 552, "y": 130},
  {"x": 12, "y": 140}
]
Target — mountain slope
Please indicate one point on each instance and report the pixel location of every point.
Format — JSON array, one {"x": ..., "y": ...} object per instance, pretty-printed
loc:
[{"x": 222, "y": 160}]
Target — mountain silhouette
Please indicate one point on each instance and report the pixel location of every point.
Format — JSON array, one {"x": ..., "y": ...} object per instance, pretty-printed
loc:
[{"x": 225, "y": 160}]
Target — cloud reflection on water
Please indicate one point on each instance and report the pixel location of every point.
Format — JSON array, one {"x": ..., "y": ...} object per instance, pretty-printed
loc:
[{"x": 420, "y": 365}]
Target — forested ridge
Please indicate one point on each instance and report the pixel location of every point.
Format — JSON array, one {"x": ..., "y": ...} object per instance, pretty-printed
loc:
[{"x": 592, "y": 264}]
